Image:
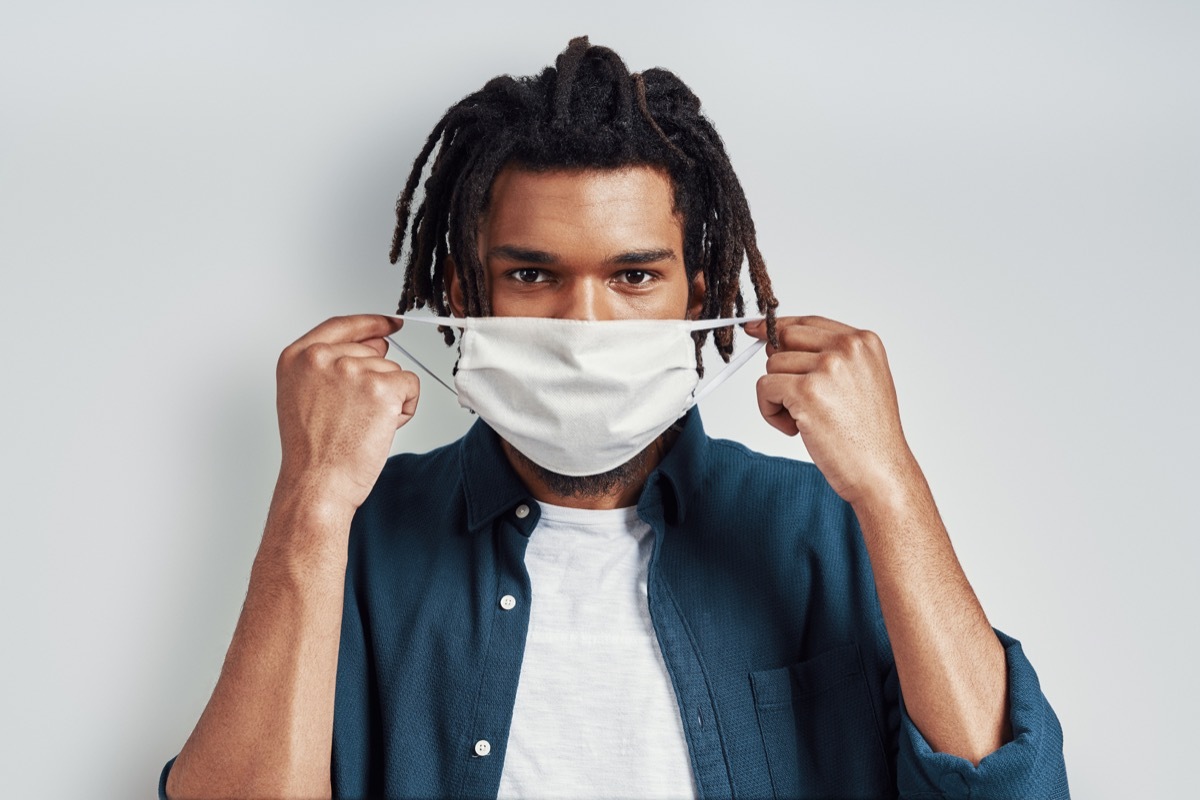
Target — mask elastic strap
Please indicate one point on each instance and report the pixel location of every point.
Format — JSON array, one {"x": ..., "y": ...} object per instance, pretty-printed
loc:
[
  {"x": 429, "y": 321},
  {"x": 733, "y": 366},
  {"x": 708, "y": 324},
  {"x": 736, "y": 363}
]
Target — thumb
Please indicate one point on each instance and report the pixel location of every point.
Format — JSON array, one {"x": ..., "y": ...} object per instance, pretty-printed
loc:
[{"x": 757, "y": 329}]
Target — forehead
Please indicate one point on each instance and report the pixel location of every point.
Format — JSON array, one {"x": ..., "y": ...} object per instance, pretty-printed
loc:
[{"x": 598, "y": 208}]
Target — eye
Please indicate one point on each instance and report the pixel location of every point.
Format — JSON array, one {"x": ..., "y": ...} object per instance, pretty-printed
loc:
[
  {"x": 635, "y": 276},
  {"x": 528, "y": 275}
]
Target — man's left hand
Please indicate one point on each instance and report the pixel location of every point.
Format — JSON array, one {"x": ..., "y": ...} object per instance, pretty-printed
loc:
[{"x": 831, "y": 383}]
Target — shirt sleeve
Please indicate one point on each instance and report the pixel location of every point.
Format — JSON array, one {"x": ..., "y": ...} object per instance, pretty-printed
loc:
[
  {"x": 162, "y": 780},
  {"x": 1029, "y": 766}
]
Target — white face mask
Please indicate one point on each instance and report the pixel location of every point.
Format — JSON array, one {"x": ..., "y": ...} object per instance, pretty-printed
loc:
[{"x": 579, "y": 397}]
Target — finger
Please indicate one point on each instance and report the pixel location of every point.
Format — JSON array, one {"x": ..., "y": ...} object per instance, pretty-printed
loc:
[
  {"x": 759, "y": 329},
  {"x": 394, "y": 390},
  {"x": 368, "y": 349},
  {"x": 792, "y": 363},
  {"x": 406, "y": 387},
  {"x": 413, "y": 389},
  {"x": 379, "y": 345},
  {"x": 775, "y": 394},
  {"x": 320, "y": 355},
  {"x": 354, "y": 328},
  {"x": 815, "y": 321},
  {"x": 371, "y": 364},
  {"x": 802, "y": 338}
]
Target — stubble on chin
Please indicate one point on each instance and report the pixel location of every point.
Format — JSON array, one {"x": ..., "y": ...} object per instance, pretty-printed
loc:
[{"x": 603, "y": 484}]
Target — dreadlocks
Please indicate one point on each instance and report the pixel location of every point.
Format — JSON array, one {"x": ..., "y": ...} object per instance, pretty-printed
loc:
[{"x": 587, "y": 111}]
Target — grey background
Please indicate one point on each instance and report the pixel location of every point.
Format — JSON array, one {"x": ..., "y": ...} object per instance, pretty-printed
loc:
[{"x": 1006, "y": 193}]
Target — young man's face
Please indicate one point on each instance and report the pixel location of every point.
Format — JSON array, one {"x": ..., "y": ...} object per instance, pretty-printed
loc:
[{"x": 586, "y": 244}]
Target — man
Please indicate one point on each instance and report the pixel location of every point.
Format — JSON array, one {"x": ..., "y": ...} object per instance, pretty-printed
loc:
[{"x": 513, "y": 614}]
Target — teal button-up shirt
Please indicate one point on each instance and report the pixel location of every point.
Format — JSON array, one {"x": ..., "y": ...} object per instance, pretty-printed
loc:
[{"x": 763, "y": 602}]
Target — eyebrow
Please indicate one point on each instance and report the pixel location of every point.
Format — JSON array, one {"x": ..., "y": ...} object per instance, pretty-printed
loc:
[
  {"x": 523, "y": 254},
  {"x": 643, "y": 256},
  {"x": 527, "y": 255}
]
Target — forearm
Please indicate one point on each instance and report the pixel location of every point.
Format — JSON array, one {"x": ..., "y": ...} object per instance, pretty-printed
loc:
[
  {"x": 267, "y": 730},
  {"x": 950, "y": 664}
]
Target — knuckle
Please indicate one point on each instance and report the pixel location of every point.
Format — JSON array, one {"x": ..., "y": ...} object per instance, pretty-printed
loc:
[
  {"x": 850, "y": 344},
  {"x": 315, "y": 355},
  {"x": 377, "y": 386},
  {"x": 346, "y": 366},
  {"x": 862, "y": 339}
]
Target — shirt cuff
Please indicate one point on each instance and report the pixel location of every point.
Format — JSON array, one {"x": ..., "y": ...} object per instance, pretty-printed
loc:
[
  {"x": 1029, "y": 766},
  {"x": 162, "y": 780}
]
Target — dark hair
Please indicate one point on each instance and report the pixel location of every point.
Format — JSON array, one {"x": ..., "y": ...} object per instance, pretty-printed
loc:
[{"x": 587, "y": 111}]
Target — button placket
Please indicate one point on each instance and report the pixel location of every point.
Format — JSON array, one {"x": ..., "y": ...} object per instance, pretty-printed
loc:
[{"x": 501, "y": 664}]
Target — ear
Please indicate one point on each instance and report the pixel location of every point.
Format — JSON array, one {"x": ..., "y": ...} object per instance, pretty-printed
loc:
[
  {"x": 454, "y": 288},
  {"x": 696, "y": 291}
]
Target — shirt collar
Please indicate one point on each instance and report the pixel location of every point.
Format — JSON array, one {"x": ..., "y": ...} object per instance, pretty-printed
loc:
[
  {"x": 491, "y": 485},
  {"x": 493, "y": 488},
  {"x": 682, "y": 469}
]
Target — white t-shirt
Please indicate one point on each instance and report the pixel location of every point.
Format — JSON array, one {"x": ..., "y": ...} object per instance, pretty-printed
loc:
[{"x": 596, "y": 714}]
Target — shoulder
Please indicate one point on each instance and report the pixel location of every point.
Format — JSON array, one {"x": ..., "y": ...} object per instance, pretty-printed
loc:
[
  {"x": 731, "y": 455},
  {"x": 411, "y": 486},
  {"x": 770, "y": 483},
  {"x": 440, "y": 462}
]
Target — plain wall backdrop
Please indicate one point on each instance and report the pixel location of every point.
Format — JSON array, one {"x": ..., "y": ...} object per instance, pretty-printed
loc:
[{"x": 1009, "y": 194}]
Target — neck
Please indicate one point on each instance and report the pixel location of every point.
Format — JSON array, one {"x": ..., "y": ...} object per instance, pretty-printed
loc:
[{"x": 617, "y": 488}]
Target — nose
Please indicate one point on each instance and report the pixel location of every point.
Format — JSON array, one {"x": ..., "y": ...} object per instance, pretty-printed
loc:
[{"x": 586, "y": 298}]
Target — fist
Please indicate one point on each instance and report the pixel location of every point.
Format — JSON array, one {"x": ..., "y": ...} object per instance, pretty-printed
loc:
[
  {"x": 340, "y": 403},
  {"x": 831, "y": 383}
]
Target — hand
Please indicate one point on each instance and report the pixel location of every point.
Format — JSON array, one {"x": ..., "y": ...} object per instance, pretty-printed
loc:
[
  {"x": 340, "y": 403},
  {"x": 831, "y": 383}
]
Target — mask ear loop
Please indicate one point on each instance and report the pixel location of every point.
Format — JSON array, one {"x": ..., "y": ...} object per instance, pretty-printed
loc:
[
  {"x": 719, "y": 322},
  {"x": 736, "y": 363},
  {"x": 414, "y": 359},
  {"x": 730, "y": 368}
]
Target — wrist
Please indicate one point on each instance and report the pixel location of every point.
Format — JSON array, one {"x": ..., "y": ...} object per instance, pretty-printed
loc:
[
  {"x": 316, "y": 490},
  {"x": 901, "y": 493},
  {"x": 308, "y": 526}
]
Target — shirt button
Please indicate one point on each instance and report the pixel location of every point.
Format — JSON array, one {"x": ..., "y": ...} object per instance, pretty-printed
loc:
[
  {"x": 522, "y": 511},
  {"x": 508, "y": 602},
  {"x": 482, "y": 748}
]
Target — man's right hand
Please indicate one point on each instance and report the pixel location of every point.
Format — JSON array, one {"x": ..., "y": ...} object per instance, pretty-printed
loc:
[
  {"x": 268, "y": 729},
  {"x": 340, "y": 403}
]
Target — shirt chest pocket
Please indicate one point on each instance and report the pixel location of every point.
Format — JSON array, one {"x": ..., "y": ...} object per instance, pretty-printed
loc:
[{"x": 819, "y": 728}]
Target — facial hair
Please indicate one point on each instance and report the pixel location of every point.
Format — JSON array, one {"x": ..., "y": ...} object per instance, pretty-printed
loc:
[{"x": 603, "y": 484}]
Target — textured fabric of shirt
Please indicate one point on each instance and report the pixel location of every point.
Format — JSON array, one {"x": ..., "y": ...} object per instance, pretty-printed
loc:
[
  {"x": 762, "y": 598},
  {"x": 591, "y": 639}
]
